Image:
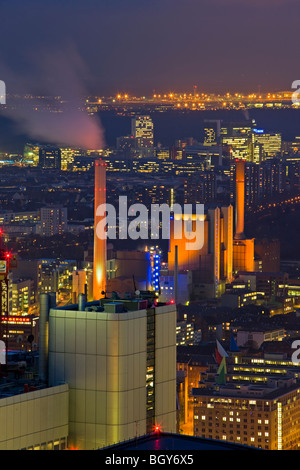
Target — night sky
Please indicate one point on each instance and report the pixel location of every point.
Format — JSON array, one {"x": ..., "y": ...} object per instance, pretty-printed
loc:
[{"x": 138, "y": 46}]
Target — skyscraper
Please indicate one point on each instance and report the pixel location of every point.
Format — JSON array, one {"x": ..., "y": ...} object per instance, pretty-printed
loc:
[
  {"x": 142, "y": 131},
  {"x": 53, "y": 221},
  {"x": 270, "y": 142},
  {"x": 238, "y": 138}
]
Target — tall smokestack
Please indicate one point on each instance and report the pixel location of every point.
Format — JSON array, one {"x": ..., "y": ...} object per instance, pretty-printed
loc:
[
  {"x": 239, "y": 199},
  {"x": 99, "y": 264}
]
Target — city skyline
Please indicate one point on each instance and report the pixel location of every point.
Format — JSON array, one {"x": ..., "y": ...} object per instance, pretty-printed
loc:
[{"x": 149, "y": 226}]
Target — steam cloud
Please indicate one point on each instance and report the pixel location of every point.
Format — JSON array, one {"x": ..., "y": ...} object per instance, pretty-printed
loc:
[{"x": 51, "y": 120}]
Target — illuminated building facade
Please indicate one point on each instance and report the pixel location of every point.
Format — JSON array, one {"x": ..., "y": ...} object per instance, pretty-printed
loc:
[
  {"x": 155, "y": 260},
  {"x": 23, "y": 296},
  {"x": 119, "y": 360},
  {"x": 186, "y": 334},
  {"x": 238, "y": 138},
  {"x": 142, "y": 131},
  {"x": 43, "y": 431},
  {"x": 212, "y": 264},
  {"x": 207, "y": 156},
  {"x": 67, "y": 157},
  {"x": 200, "y": 190},
  {"x": 265, "y": 180},
  {"x": 252, "y": 415},
  {"x": 50, "y": 157},
  {"x": 212, "y": 130},
  {"x": 20, "y": 332},
  {"x": 162, "y": 153},
  {"x": 243, "y": 248},
  {"x": 168, "y": 286},
  {"x": 79, "y": 284},
  {"x": 270, "y": 143},
  {"x": 53, "y": 221}
]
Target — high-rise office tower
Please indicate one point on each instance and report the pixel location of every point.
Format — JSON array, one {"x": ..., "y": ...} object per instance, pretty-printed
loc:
[
  {"x": 142, "y": 131},
  {"x": 212, "y": 132},
  {"x": 100, "y": 254},
  {"x": 238, "y": 138},
  {"x": 270, "y": 142}
]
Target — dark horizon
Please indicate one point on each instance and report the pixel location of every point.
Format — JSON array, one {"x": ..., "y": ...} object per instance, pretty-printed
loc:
[{"x": 137, "y": 47}]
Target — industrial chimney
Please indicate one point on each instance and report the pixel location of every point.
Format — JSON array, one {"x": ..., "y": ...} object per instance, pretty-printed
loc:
[
  {"x": 99, "y": 263},
  {"x": 239, "y": 199}
]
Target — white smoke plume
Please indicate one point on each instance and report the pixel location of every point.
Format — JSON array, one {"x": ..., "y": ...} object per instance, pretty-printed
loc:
[{"x": 63, "y": 121}]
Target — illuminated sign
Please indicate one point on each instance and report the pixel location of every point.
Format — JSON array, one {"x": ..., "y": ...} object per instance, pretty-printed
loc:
[{"x": 16, "y": 319}]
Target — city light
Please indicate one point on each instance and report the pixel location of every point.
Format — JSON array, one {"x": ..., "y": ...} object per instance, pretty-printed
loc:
[{"x": 149, "y": 232}]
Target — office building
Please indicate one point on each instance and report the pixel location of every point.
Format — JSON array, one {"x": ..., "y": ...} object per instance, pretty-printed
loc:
[
  {"x": 270, "y": 143},
  {"x": 126, "y": 144},
  {"x": 118, "y": 358},
  {"x": 23, "y": 296},
  {"x": 68, "y": 155},
  {"x": 207, "y": 156},
  {"x": 53, "y": 221},
  {"x": 42, "y": 430},
  {"x": 212, "y": 130},
  {"x": 237, "y": 137},
  {"x": 251, "y": 400},
  {"x": 253, "y": 415},
  {"x": 142, "y": 131},
  {"x": 50, "y": 157}
]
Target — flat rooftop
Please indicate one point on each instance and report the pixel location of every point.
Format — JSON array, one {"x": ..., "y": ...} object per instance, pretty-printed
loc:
[{"x": 168, "y": 441}]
